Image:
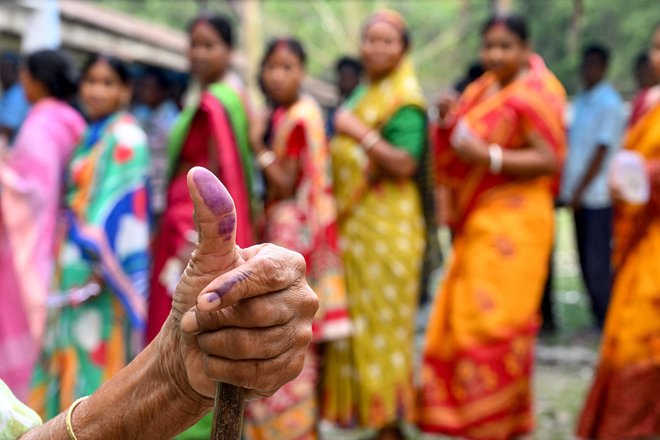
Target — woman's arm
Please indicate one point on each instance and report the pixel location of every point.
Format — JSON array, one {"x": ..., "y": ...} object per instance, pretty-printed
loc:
[
  {"x": 249, "y": 328},
  {"x": 536, "y": 159},
  {"x": 147, "y": 399},
  {"x": 392, "y": 161},
  {"x": 282, "y": 173}
]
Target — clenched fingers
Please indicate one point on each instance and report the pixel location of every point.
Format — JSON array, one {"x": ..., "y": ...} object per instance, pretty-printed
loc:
[
  {"x": 255, "y": 344},
  {"x": 261, "y": 378},
  {"x": 270, "y": 269},
  {"x": 267, "y": 310}
]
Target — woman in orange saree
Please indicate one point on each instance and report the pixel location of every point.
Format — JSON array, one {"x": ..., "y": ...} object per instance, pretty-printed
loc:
[
  {"x": 499, "y": 149},
  {"x": 623, "y": 402}
]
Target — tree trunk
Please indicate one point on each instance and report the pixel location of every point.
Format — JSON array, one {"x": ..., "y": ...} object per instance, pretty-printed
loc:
[
  {"x": 251, "y": 44},
  {"x": 573, "y": 40},
  {"x": 501, "y": 7}
]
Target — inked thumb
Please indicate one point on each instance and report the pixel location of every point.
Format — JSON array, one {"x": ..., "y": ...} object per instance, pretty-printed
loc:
[{"x": 216, "y": 251}]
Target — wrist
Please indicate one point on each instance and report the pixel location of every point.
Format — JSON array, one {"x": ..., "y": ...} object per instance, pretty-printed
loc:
[
  {"x": 149, "y": 398},
  {"x": 265, "y": 159},
  {"x": 170, "y": 368}
]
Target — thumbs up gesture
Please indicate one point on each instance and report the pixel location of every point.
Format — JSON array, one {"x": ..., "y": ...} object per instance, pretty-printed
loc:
[{"x": 239, "y": 316}]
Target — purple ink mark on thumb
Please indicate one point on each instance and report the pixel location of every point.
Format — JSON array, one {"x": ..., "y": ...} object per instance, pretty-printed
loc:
[
  {"x": 226, "y": 226},
  {"x": 214, "y": 194}
]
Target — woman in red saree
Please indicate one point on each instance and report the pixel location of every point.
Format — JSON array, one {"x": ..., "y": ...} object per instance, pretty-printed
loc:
[
  {"x": 499, "y": 150},
  {"x": 623, "y": 402},
  {"x": 300, "y": 215},
  {"x": 212, "y": 133}
]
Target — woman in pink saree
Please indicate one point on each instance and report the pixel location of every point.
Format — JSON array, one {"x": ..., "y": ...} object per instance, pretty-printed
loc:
[{"x": 30, "y": 178}]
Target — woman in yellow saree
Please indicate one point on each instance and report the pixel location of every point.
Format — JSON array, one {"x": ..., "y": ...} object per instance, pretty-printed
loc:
[
  {"x": 382, "y": 136},
  {"x": 623, "y": 402},
  {"x": 499, "y": 151}
]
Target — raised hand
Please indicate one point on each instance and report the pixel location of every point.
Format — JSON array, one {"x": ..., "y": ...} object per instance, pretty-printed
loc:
[{"x": 251, "y": 324}]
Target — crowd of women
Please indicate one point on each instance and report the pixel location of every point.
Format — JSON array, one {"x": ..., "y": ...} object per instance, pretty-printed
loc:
[{"x": 88, "y": 272}]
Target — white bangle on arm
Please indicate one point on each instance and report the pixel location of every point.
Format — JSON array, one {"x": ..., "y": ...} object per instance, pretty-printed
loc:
[
  {"x": 369, "y": 140},
  {"x": 265, "y": 159},
  {"x": 496, "y": 158}
]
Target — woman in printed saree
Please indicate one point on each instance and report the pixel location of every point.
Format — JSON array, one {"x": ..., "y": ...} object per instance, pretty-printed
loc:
[
  {"x": 300, "y": 215},
  {"x": 212, "y": 133},
  {"x": 623, "y": 401},
  {"x": 381, "y": 138},
  {"x": 500, "y": 148},
  {"x": 30, "y": 195},
  {"x": 97, "y": 310}
]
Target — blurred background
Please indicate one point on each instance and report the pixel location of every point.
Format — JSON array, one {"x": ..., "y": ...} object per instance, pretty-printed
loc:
[
  {"x": 445, "y": 32},
  {"x": 445, "y": 35}
]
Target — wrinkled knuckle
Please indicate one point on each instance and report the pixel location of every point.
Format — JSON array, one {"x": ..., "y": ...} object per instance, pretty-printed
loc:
[
  {"x": 280, "y": 340},
  {"x": 304, "y": 335},
  {"x": 243, "y": 376},
  {"x": 210, "y": 321},
  {"x": 310, "y": 300},
  {"x": 282, "y": 313},
  {"x": 195, "y": 267},
  {"x": 272, "y": 377},
  {"x": 298, "y": 263},
  {"x": 266, "y": 393},
  {"x": 253, "y": 376},
  {"x": 273, "y": 270},
  {"x": 254, "y": 312},
  {"x": 294, "y": 367},
  {"x": 271, "y": 350}
]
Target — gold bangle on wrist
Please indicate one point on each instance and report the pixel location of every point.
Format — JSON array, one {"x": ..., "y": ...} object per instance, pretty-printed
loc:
[
  {"x": 69, "y": 414},
  {"x": 266, "y": 159}
]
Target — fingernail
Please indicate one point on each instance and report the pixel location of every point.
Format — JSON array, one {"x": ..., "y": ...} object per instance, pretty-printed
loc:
[
  {"x": 216, "y": 295},
  {"x": 211, "y": 297},
  {"x": 215, "y": 196}
]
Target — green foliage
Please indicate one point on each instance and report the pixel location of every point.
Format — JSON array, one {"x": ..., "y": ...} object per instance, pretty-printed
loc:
[{"x": 445, "y": 33}]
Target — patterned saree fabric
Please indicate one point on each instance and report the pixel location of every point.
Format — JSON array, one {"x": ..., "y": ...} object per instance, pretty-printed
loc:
[
  {"x": 368, "y": 377},
  {"x": 304, "y": 223},
  {"x": 31, "y": 186},
  {"x": 477, "y": 362},
  {"x": 623, "y": 401},
  {"x": 97, "y": 309},
  {"x": 212, "y": 134}
]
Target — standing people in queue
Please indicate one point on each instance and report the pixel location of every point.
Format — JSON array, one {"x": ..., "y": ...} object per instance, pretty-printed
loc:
[
  {"x": 381, "y": 136},
  {"x": 502, "y": 148},
  {"x": 212, "y": 133},
  {"x": 300, "y": 214},
  {"x": 97, "y": 307},
  {"x": 623, "y": 401},
  {"x": 31, "y": 181},
  {"x": 593, "y": 138}
]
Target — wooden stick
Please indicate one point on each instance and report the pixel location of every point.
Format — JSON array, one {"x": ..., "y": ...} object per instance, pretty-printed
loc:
[{"x": 228, "y": 412}]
